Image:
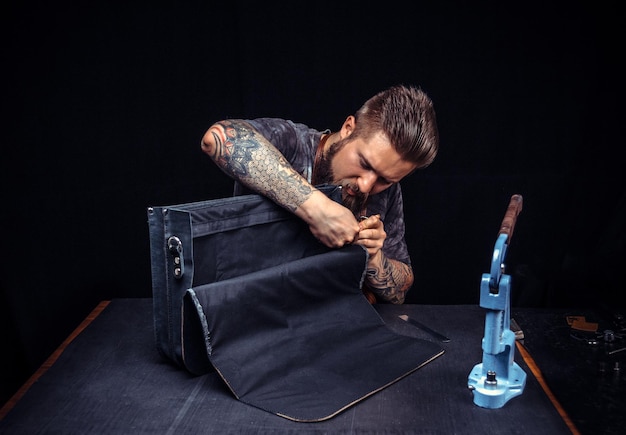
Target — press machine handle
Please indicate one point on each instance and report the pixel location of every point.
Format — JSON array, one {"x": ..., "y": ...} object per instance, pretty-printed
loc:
[{"x": 510, "y": 217}]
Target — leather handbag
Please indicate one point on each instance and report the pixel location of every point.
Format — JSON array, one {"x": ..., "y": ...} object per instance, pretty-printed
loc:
[
  {"x": 202, "y": 242},
  {"x": 241, "y": 287}
]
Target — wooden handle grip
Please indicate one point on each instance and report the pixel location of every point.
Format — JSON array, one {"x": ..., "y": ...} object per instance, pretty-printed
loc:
[{"x": 510, "y": 217}]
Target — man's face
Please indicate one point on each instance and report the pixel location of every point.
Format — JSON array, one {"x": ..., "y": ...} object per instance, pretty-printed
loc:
[{"x": 362, "y": 167}]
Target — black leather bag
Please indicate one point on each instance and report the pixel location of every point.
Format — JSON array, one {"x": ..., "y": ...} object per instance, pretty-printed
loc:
[
  {"x": 242, "y": 287},
  {"x": 199, "y": 243}
]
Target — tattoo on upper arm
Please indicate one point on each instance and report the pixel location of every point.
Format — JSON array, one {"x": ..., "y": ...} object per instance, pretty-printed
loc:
[
  {"x": 245, "y": 155},
  {"x": 234, "y": 159}
]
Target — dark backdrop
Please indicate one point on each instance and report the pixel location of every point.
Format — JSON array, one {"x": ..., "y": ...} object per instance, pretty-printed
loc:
[{"x": 105, "y": 105}]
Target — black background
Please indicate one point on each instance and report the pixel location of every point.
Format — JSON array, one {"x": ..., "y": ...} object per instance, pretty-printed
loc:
[{"x": 105, "y": 105}]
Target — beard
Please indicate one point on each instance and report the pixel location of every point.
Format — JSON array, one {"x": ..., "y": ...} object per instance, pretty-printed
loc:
[
  {"x": 355, "y": 203},
  {"x": 324, "y": 175}
]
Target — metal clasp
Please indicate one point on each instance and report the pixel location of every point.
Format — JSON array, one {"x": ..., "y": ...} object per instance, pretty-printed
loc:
[{"x": 175, "y": 247}]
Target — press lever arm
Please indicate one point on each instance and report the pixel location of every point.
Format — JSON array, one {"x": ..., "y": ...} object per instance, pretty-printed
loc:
[{"x": 504, "y": 238}]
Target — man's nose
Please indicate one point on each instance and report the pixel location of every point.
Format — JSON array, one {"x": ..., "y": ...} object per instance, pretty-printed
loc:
[{"x": 366, "y": 182}]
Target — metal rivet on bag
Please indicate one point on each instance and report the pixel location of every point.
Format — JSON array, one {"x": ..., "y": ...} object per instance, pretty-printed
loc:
[{"x": 175, "y": 247}]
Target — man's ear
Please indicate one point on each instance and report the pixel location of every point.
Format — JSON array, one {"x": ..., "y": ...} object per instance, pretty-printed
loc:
[{"x": 348, "y": 127}]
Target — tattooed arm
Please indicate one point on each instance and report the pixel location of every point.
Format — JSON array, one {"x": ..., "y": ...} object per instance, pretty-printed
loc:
[
  {"x": 246, "y": 156},
  {"x": 388, "y": 279}
]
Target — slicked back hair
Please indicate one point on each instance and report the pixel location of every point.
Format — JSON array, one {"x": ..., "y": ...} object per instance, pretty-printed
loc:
[{"x": 406, "y": 115}]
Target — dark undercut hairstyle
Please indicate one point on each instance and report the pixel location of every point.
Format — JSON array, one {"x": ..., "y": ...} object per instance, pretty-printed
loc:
[{"x": 406, "y": 115}]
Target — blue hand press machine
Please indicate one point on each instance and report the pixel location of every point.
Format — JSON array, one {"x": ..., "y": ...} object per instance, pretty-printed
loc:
[{"x": 498, "y": 378}]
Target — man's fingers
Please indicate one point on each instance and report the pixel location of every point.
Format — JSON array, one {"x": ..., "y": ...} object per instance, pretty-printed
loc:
[{"x": 369, "y": 222}]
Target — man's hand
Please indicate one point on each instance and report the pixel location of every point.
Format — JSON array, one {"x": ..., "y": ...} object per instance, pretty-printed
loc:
[
  {"x": 372, "y": 234},
  {"x": 330, "y": 222},
  {"x": 388, "y": 279}
]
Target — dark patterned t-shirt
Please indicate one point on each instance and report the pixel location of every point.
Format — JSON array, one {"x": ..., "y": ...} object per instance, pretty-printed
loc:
[{"x": 298, "y": 144}]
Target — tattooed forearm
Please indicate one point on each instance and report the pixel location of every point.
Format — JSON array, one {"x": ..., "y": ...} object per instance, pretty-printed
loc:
[
  {"x": 390, "y": 281},
  {"x": 245, "y": 155}
]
